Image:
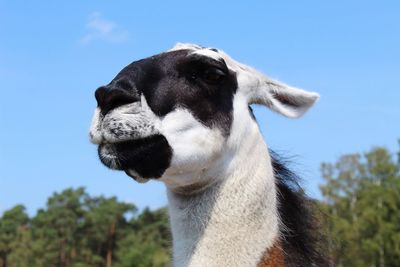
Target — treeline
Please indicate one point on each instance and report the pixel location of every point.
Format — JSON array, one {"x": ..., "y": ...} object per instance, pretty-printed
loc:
[
  {"x": 361, "y": 207},
  {"x": 78, "y": 230}
]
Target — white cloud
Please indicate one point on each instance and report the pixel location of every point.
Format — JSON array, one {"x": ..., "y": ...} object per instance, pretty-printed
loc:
[{"x": 100, "y": 29}]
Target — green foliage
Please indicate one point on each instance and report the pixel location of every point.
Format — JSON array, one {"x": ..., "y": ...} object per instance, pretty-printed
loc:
[
  {"x": 151, "y": 238},
  {"x": 77, "y": 230},
  {"x": 147, "y": 241},
  {"x": 362, "y": 201},
  {"x": 11, "y": 224}
]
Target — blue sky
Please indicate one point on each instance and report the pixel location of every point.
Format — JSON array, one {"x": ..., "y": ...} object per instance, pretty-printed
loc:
[{"x": 54, "y": 54}]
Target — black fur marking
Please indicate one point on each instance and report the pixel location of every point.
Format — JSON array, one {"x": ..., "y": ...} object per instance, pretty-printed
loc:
[
  {"x": 149, "y": 157},
  {"x": 181, "y": 79},
  {"x": 110, "y": 98},
  {"x": 303, "y": 240}
]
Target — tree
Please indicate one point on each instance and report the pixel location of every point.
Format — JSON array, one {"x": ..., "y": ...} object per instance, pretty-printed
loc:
[
  {"x": 105, "y": 223},
  {"x": 362, "y": 201},
  {"x": 10, "y": 223},
  {"x": 57, "y": 227},
  {"x": 148, "y": 245},
  {"x": 22, "y": 253}
]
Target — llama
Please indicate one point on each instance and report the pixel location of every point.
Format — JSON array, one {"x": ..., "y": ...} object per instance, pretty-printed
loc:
[{"x": 183, "y": 117}]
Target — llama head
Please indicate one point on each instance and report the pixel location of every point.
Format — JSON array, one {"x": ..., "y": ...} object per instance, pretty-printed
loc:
[{"x": 179, "y": 114}]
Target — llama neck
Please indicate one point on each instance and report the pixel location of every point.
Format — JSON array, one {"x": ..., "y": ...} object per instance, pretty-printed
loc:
[{"x": 232, "y": 222}]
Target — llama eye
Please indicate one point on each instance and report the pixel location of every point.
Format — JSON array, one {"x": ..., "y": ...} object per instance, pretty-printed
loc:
[
  {"x": 214, "y": 75},
  {"x": 193, "y": 76}
]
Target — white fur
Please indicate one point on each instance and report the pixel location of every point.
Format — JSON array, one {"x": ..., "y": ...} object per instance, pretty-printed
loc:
[
  {"x": 95, "y": 128},
  {"x": 208, "y": 53},
  {"x": 124, "y": 123},
  {"x": 232, "y": 221},
  {"x": 194, "y": 145},
  {"x": 181, "y": 46}
]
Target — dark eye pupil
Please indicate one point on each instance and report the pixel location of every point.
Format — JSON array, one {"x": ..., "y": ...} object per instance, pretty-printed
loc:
[{"x": 214, "y": 75}]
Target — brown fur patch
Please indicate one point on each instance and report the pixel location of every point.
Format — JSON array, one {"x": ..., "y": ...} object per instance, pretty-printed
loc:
[{"x": 273, "y": 257}]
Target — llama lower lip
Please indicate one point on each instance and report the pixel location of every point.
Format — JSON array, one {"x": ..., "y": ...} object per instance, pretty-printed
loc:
[
  {"x": 108, "y": 156},
  {"x": 135, "y": 176}
]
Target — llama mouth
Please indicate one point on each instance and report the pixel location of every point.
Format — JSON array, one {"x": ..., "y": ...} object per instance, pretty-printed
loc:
[{"x": 141, "y": 159}]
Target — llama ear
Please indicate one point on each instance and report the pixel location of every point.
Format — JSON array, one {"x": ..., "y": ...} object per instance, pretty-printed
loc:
[{"x": 288, "y": 101}]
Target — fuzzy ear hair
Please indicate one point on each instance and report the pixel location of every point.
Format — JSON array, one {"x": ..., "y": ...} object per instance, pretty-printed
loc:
[{"x": 288, "y": 101}]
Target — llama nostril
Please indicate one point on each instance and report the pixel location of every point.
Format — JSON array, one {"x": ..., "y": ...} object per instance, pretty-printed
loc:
[
  {"x": 108, "y": 99},
  {"x": 99, "y": 95}
]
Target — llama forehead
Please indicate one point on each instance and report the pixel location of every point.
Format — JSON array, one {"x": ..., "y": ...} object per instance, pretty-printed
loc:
[
  {"x": 212, "y": 53},
  {"x": 246, "y": 76}
]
